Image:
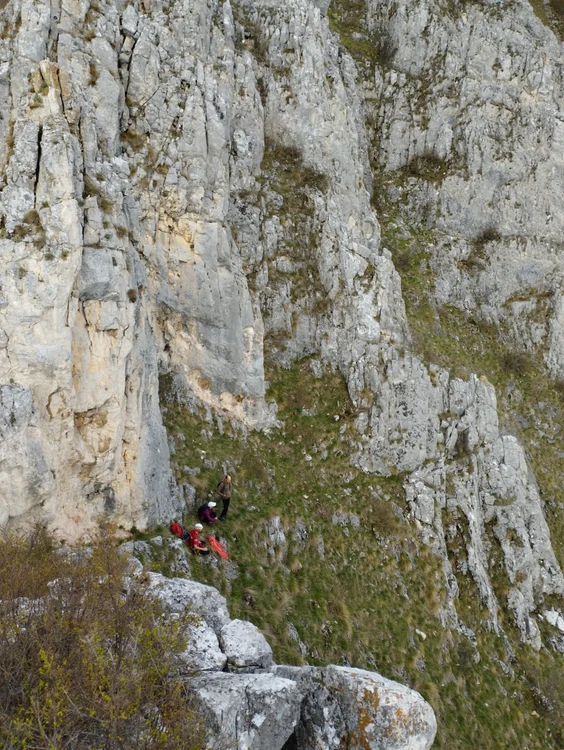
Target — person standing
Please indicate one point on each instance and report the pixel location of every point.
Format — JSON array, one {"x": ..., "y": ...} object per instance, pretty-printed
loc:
[{"x": 224, "y": 488}]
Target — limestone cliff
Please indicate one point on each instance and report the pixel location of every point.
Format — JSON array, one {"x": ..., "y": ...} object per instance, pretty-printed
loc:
[{"x": 192, "y": 188}]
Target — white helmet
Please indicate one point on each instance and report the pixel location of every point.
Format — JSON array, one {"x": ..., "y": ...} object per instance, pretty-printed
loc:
[
  {"x": 198, "y": 526},
  {"x": 211, "y": 504}
]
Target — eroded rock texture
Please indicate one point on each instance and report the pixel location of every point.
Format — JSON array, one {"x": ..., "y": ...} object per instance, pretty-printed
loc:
[
  {"x": 474, "y": 103},
  {"x": 188, "y": 185}
]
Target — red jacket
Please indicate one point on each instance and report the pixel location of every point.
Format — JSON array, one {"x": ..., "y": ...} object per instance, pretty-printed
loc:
[
  {"x": 194, "y": 540},
  {"x": 176, "y": 528}
]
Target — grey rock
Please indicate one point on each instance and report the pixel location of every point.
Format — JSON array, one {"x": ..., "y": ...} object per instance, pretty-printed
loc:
[
  {"x": 276, "y": 542},
  {"x": 179, "y": 565},
  {"x": 139, "y": 548},
  {"x": 295, "y": 636},
  {"x": 180, "y": 595},
  {"x": 342, "y": 518},
  {"x": 244, "y": 645},
  {"x": 250, "y": 712},
  {"x": 203, "y": 653},
  {"x": 555, "y": 618},
  {"x": 557, "y": 643},
  {"x": 16, "y": 407},
  {"x": 360, "y": 708},
  {"x": 134, "y": 567},
  {"x": 300, "y": 534}
]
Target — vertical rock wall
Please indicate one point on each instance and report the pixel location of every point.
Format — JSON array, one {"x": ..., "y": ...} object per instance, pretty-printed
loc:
[
  {"x": 186, "y": 188},
  {"x": 468, "y": 105}
]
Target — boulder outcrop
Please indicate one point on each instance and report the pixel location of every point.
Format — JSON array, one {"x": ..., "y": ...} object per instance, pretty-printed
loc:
[
  {"x": 359, "y": 709},
  {"x": 250, "y": 703},
  {"x": 244, "y": 645}
]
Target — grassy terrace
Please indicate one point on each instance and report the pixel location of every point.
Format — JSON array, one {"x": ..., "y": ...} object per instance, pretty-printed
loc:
[{"x": 360, "y": 601}]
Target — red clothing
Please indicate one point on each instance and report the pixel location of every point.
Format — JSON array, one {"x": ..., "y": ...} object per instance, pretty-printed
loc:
[
  {"x": 176, "y": 528},
  {"x": 207, "y": 514},
  {"x": 194, "y": 540}
]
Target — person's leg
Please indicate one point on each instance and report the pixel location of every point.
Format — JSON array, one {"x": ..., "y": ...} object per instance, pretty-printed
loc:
[{"x": 225, "y": 508}]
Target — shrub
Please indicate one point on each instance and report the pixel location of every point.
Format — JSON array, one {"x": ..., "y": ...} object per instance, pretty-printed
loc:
[
  {"x": 487, "y": 235},
  {"x": 90, "y": 187},
  {"x": 385, "y": 50},
  {"x": 86, "y": 657},
  {"x": 93, "y": 74},
  {"x": 383, "y": 517},
  {"x": 133, "y": 139},
  {"x": 516, "y": 363},
  {"x": 428, "y": 166},
  {"x": 20, "y": 232},
  {"x": 106, "y": 205},
  {"x": 32, "y": 218},
  {"x": 403, "y": 261}
]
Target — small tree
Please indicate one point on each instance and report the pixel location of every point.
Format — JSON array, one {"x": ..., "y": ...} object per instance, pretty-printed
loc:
[{"x": 87, "y": 657}]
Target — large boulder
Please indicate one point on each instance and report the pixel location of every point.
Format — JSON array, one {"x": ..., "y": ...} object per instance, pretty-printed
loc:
[
  {"x": 244, "y": 645},
  {"x": 203, "y": 652},
  {"x": 247, "y": 711},
  {"x": 204, "y": 601},
  {"x": 359, "y": 710}
]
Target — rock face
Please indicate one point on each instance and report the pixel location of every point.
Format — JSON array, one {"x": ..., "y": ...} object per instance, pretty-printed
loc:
[
  {"x": 130, "y": 157},
  {"x": 248, "y": 711},
  {"x": 269, "y": 707},
  {"x": 359, "y": 709},
  {"x": 161, "y": 166},
  {"x": 490, "y": 124},
  {"x": 205, "y": 601}
]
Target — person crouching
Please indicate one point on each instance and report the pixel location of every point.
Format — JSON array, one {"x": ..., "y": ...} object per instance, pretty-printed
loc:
[
  {"x": 206, "y": 513},
  {"x": 194, "y": 541}
]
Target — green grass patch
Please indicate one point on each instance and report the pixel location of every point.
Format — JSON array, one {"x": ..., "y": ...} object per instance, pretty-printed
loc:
[
  {"x": 354, "y": 595},
  {"x": 369, "y": 47}
]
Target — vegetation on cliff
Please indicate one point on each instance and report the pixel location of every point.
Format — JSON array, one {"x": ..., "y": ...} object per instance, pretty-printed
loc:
[{"x": 86, "y": 659}]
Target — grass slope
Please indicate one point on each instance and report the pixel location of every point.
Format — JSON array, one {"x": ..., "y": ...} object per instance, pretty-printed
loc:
[{"x": 362, "y": 598}]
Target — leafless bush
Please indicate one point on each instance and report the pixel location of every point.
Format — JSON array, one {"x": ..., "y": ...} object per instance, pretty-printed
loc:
[
  {"x": 487, "y": 235},
  {"x": 385, "y": 50}
]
